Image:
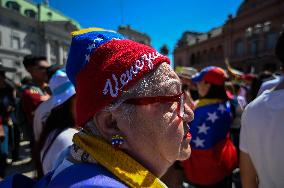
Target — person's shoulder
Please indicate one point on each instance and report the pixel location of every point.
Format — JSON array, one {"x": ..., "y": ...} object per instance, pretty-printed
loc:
[
  {"x": 45, "y": 106},
  {"x": 256, "y": 102},
  {"x": 257, "y": 106},
  {"x": 266, "y": 85},
  {"x": 67, "y": 133},
  {"x": 84, "y": 175},
  {"x": 64, "y": 138}
]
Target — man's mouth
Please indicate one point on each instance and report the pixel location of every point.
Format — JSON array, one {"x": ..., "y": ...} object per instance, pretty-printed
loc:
[{"x": 187, "y": 134}]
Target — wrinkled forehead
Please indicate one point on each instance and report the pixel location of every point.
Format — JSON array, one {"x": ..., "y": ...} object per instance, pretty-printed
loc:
[
  {"x": 161, "y": 82},
  {"x": 170, "y": 83}
]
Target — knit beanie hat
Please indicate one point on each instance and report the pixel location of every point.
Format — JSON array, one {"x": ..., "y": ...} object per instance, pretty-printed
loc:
[{"x": 102, "y": 64}]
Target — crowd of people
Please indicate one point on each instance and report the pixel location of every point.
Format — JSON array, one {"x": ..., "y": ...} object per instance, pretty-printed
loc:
[{"x": 118, "y": 115}]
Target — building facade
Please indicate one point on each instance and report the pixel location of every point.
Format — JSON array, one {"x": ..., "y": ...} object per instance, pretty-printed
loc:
[
  {"x": 26, "y": 28},
  {"x": 247, "y": 40},
  {"x": 132, "y": 34}
]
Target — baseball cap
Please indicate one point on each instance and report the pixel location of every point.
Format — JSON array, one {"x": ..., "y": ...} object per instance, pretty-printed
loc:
[
  {"x": 61, "y": 87},
  {"x": 212, "y": 74}
]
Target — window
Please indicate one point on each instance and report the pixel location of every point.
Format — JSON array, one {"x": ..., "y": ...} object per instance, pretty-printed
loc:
[
  {"x": 219, "y": 53},
  {"x": 17, "y": 64},
  {"x": 30, "y": 13},
  {"x": 257, "y": 28},
  {"x": 254, "y": 47},
  {"x": 15, "y": 24},
  {"x": 53, "y": 49},
  {"x": 16, "y": 43},
  {"x": 13, "y": 6},
  {"x": 253, "y": 5},
  {"x": 271, "y": 40},
  {"x": 204, "y": 56},
  {"x": 239, "y": 48},
  {"x": 249, "y": 31},
  {"x": 32, "y": 46},
  {"x": 192, "y": 59},
  {"x": 197, "y": 58},
  {"x": 32, "y": 29},
  {"x": 49, "y": 14},
  {"x": 267, "y": 26},
  {"x": 211, "y": 55}
]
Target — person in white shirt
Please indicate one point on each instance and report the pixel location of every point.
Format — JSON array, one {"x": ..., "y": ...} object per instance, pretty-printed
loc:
[
  {"x": 261, "y": 140},
  {"x": 270, "y": 84},
  {"x": 59, "y": 127},
  {"x": 44, "y": 109},
  {"x": 41, "y": 114}
]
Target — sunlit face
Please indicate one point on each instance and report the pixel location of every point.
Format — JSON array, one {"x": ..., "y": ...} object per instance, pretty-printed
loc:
[
  {"x": 203, "y": 88},
  {"x": 156, "y": 129}
]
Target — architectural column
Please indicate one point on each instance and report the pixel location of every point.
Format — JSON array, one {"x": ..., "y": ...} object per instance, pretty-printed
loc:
[
  {"x": 60, "y": 54},
  {"x": 47, "y": 50}
]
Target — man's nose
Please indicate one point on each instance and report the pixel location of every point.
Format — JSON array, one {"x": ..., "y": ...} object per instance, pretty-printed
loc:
[{"x": 188, "y": 114}]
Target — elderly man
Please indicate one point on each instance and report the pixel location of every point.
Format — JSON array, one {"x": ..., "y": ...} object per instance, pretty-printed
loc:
[{"x": 127, "y": 97}]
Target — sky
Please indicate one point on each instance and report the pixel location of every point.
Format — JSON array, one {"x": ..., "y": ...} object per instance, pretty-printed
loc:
[{"x": 163, "y": 20}]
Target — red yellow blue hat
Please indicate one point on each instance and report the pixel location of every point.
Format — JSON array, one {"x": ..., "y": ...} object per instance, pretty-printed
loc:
[
  {"x": 212, "y": 74},
  {"x": 102, "y": 64}
]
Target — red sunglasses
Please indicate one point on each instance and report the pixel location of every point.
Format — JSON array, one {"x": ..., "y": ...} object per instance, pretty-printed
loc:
[{"x": 180, "y": 98}]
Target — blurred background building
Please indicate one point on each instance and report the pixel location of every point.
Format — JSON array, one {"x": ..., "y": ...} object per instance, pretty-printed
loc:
[
  {"x": 135, "y": 35},
  {"x": 27, "y": 28},
  {"x": 247, "y": 40}
]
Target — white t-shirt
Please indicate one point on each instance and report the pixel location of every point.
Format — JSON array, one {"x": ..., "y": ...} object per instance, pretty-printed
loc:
[
  {"x": 41, "y": 114},
  {"x": 62, "y": 141},
  {"x": 269, "y": 84},
  {"x": 262, "y": 137}
]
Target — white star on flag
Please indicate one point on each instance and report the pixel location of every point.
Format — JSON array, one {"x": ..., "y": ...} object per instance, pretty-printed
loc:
[
  {"x": 198, "y": 142},
  {"x": 91, "y": 46},
  {"x": 212, "y": 116},
  {"x": 98, "y": 39},
  {"x": 222, "y": 108},
  {"x": 87, "y": 56},
  {"x": 203, "y": 128},
  {"x": 116, "y": 39}
]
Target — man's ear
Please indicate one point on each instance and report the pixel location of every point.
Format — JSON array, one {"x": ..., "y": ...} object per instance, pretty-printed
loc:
[{"x": 106, "y": 124}]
